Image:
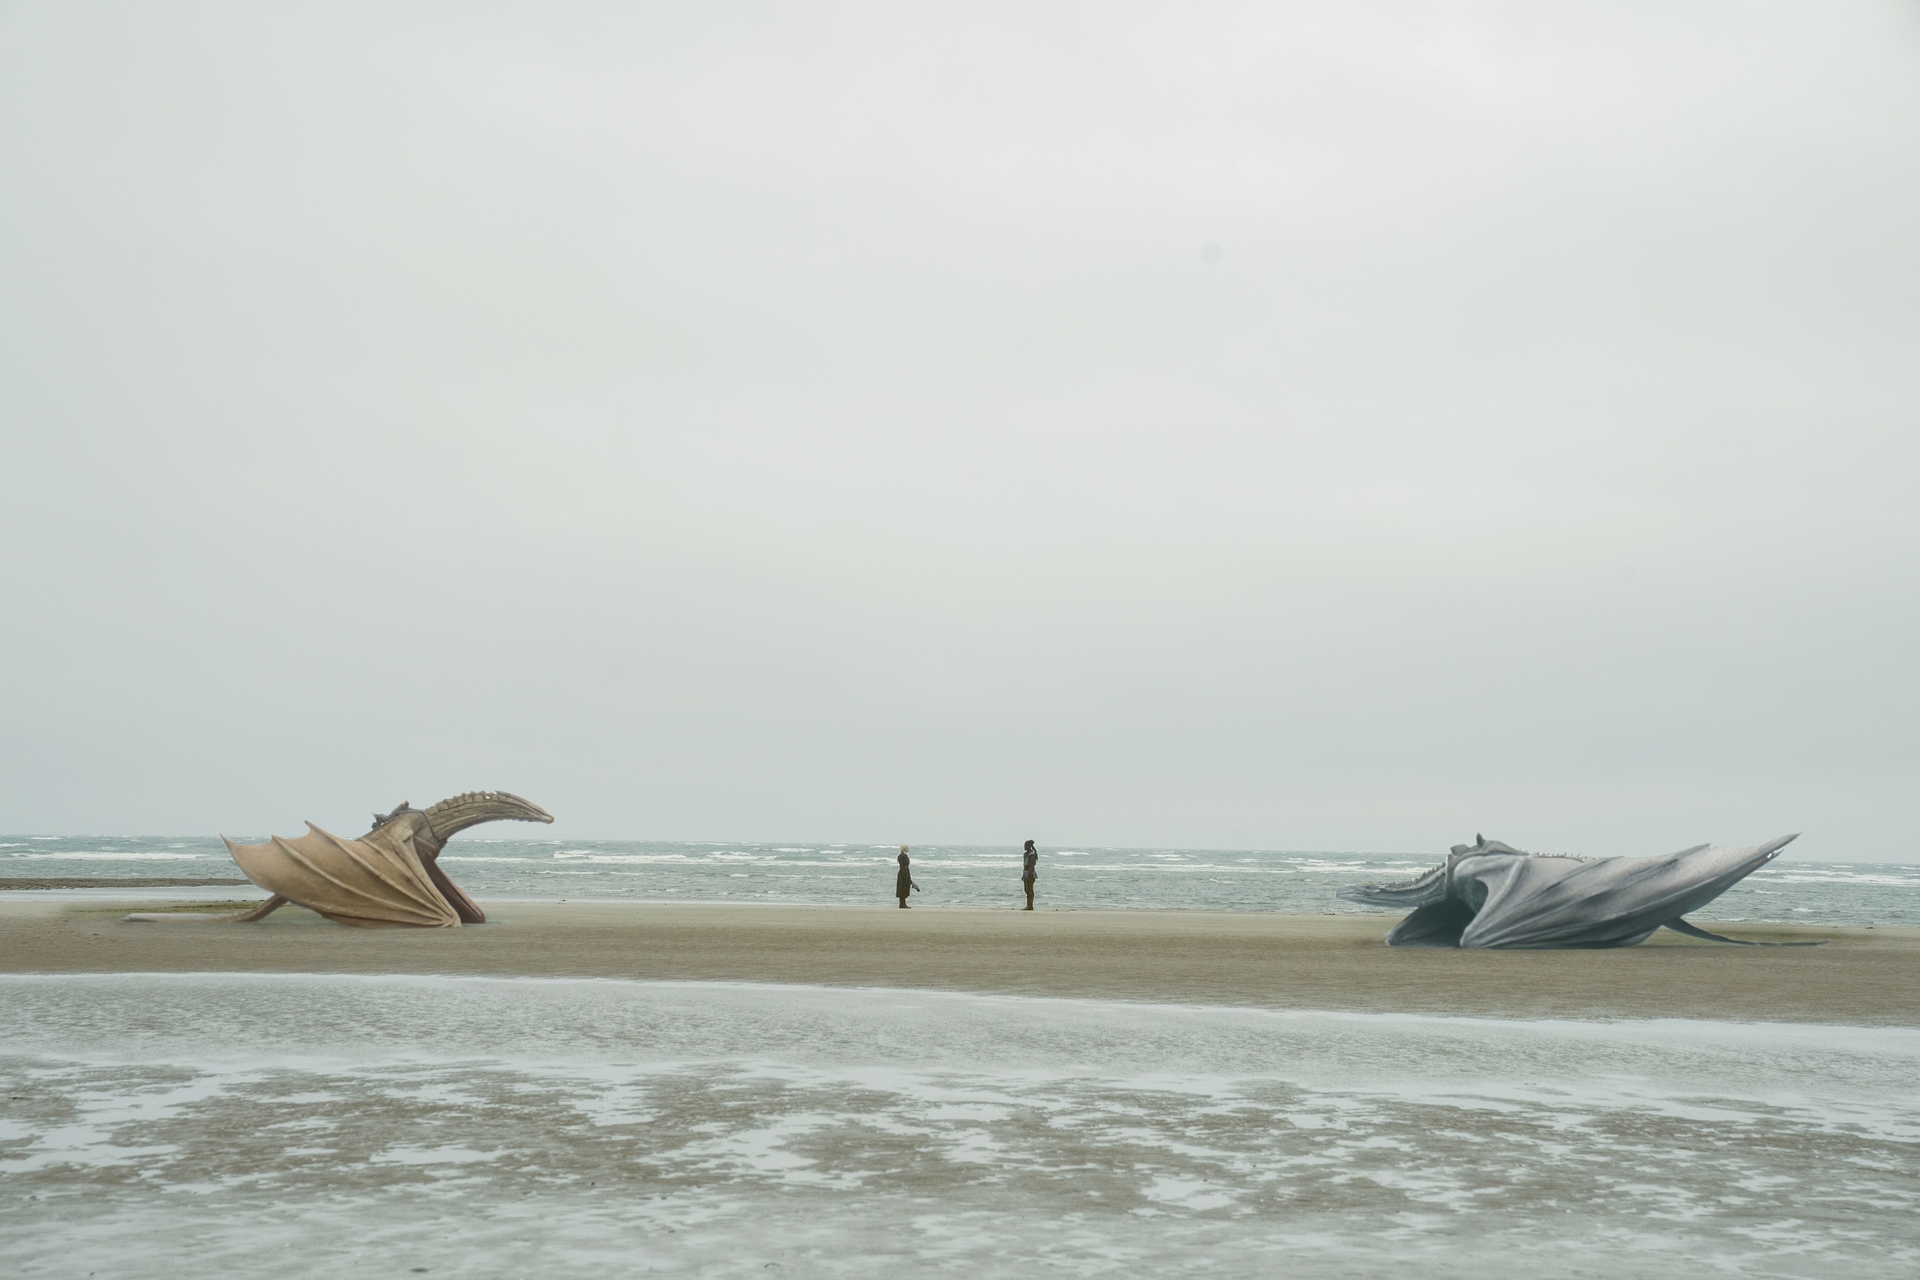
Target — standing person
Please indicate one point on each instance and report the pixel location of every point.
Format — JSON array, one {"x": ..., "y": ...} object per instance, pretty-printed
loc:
[
  {"x": 903, "y": 883},
  {"x": 1029, "y": 871}
]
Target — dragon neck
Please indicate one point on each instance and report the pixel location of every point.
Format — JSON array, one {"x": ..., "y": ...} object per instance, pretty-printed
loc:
[{"x": 459, "y": 812}]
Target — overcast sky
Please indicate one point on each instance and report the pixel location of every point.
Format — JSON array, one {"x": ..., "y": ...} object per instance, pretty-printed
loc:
[{"x": 1331, "y": 426}]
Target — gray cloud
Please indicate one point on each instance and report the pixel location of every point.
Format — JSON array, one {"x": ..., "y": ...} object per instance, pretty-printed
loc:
[{"x": 823, "y": 422}]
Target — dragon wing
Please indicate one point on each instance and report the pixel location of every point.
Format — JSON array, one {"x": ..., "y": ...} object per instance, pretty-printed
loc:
[
  {"x": 1610, "y": 902},
  {"x": 375, "y": 880}
]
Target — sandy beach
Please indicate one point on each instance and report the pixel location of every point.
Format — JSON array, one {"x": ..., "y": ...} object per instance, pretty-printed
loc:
[
  {"x": 1862, "y": 976},
  {"x": 864, "y": 1091}
]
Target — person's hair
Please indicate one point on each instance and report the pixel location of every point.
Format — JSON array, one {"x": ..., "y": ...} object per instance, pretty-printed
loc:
[{"x": 1029, "y": 844}]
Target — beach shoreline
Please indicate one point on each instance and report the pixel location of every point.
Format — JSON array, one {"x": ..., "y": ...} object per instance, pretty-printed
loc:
[{"x": 1863, "y": 976}]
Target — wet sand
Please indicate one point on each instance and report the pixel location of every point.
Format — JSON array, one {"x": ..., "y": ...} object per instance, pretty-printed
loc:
[{"x": 1863, "y": 976}]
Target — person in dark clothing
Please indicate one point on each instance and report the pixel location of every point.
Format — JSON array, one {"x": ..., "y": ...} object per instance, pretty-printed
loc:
[
  {"x": 1029, "y": 871},
  {"x": 903, "y": 883}
]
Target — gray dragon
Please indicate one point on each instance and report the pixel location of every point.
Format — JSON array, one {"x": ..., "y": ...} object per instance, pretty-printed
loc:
[{"x": 1491, "y": 895}]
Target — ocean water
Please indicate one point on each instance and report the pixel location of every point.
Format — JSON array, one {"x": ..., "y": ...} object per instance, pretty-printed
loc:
[
  {"x": 1809, "y": 892},
  {"x": 336, "y": 1126}
]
